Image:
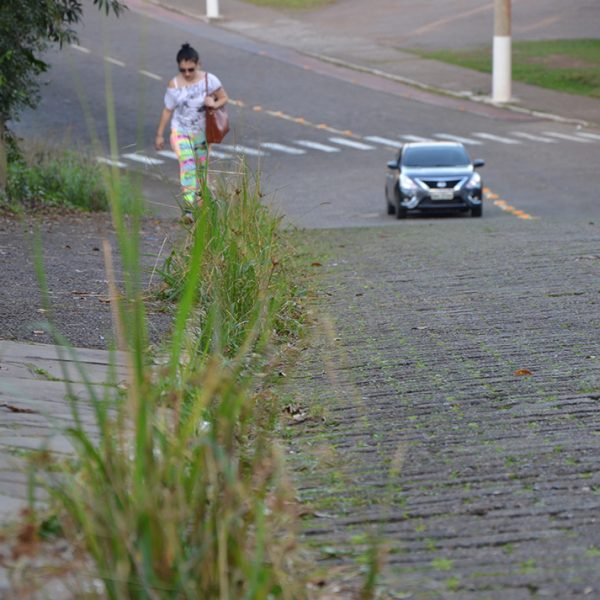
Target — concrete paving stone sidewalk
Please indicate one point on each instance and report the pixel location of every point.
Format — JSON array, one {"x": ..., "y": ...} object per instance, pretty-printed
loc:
[
  {"x": 452, "y": 408},
  {"x": 35, "y": 412},
  {"x": 349, "y": 34}
]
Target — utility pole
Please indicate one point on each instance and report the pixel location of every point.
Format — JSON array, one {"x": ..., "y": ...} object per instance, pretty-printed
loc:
[
  {"x": 212, "y": 9},
  {"x": 502, "y": 58}
]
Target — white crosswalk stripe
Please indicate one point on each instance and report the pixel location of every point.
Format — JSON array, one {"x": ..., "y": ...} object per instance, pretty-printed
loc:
[
  {"x": 282, "y": 148},
  {"x": 316, "y": 146},
  {"x": 237, "y": 149},
  {"x": 167, "y": 154},
  {"x": 570, "y": 138},
  {"x": 219, "y": 155},
  {"x": 213, "y": 154},
  {"x": 496, "y": 138},
  {"x": 592, "y": 136},
  {"x": 111, "y": 162},
  {"x": 415, "y": 138},
  {"x": 533, "y": 138},
  {"x": 350, "y": 143},
  {"x": 458, "y": 138},
  {"x": 146, "y": 160},
  {"x": 385, "y": 141}
]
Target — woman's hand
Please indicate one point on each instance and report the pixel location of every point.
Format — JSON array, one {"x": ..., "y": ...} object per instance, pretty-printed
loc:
[
  {"x": 159, "y": 142},
  {"x": 209, "y": 102}
]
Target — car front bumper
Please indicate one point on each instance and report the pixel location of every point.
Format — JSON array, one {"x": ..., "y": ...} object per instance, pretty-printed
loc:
[{"x": 461, "y": 200}]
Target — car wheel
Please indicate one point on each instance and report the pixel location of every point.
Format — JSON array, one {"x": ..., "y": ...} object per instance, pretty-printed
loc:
[
  {"x": 400, "y": 212},
  {"x": 476, "y": 211},
  {"x": 390, "y": 207}
]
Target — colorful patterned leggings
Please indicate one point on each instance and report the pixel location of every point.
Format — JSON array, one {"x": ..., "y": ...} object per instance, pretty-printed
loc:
[{"x": 192, "y": 153}]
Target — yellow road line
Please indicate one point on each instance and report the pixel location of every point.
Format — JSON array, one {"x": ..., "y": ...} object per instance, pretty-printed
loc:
[{"x": 506, "y": 206}]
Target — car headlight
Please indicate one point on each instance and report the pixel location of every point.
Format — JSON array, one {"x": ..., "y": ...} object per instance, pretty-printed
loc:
[
  {"x": 474, "y": 181},
  {"x": 407, "y": 184}
]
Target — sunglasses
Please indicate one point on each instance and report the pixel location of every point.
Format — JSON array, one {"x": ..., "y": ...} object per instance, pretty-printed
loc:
[{"x": 187, "y": 70}]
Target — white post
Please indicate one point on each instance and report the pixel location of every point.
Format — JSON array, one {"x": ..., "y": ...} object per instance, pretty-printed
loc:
[
  {"x": 502, "y": 52},
  {"x": 212, "y": 9}
]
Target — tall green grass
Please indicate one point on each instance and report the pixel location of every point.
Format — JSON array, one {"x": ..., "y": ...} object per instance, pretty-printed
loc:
[
  {"x": 179, "y": 489},
  {"x": 45, "y": 176}
]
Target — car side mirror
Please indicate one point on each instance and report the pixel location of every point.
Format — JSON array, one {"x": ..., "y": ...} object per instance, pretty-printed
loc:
[
  {"x": 478, "y": 162},
  {"x": 393, "y": 164}
]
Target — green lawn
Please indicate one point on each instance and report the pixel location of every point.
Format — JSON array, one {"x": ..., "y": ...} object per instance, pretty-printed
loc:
[
  {"x": 300, "y": 4},
  {"x": 571, "y": 66}
]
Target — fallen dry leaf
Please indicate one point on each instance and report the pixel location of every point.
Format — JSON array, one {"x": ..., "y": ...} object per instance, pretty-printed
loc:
[
  {"x": 316, "y": 264},
  {"x": 523, "y": 372}
]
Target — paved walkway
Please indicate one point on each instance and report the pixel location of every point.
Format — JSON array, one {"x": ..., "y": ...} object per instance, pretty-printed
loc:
[
  {"x": 450, "y": 408},
  {"x": 34, "y": 413},
  {"x": 348, "y": 34}
]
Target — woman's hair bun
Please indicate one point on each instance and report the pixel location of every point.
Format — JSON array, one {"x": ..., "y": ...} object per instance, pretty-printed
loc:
[{"x": 186, "y": 52}]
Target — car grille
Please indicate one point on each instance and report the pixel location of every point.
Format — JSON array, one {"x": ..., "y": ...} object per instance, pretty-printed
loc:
[{"x": 433, "y": 183}]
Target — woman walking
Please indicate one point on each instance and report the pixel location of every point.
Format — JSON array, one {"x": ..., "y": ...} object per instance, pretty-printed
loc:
[{"x": 186, "y": 99}]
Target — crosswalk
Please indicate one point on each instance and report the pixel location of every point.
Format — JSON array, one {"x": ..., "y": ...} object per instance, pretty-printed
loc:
[{"x": 335, "y": 144}]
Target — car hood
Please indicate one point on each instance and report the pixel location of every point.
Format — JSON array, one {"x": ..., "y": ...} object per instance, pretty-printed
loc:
[{"x": 421, "y": 172}]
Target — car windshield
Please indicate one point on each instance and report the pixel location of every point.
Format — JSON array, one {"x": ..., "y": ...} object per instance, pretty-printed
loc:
[{"x": 435, "y": 156}]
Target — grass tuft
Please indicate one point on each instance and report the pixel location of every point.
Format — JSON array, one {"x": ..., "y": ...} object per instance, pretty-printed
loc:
[
  {"x": 45, "y": 176},
  {"x": 179, "y": 489}
]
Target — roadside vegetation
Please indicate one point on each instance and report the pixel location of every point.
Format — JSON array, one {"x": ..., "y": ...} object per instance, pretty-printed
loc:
[
  {"x": 41, "y": 176},
  {"x": 178, "y": 488},
  {"x": 571, "y": 66}
]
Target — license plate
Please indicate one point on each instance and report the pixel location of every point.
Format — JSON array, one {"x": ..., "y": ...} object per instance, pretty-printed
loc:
[{"x": 442, "y": 194}]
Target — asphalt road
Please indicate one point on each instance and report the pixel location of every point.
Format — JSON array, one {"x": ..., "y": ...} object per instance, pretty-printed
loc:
[{"x": 327, "y": 166}]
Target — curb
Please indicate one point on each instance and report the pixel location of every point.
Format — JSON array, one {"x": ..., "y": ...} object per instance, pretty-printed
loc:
[{"x": 443, "y": 92}]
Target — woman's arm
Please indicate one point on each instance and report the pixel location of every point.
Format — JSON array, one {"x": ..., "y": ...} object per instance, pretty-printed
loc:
[
  {"x": 217, "y": 99},
  {"x": 165, "y": 116}
]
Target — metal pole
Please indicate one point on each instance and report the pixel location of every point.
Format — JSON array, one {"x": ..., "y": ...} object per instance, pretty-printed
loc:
[
  {"x": 502, "y": 57},
  {"x": 212, "y": 9}
]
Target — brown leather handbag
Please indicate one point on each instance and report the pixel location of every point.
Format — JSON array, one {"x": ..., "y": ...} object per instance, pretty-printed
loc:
[{"x": 217, "y": 121}]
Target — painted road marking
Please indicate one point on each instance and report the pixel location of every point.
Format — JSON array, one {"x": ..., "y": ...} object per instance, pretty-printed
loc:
[
  {"x": 151, "y": 75},
  {"x": 533, "y": 138},
  {"x": 282, "y": 148},
  {"x": 316, "y": 146},
  {"x": 570, "y": 138},
  {"x": 496, "y": 138},
  {"x": 110, "y": 162},
  {"x": 505, "y": 206},
  {"x": 237, "y": 149},
  {"x": 458, "y": 138},
  {"x": 167, "y": 154},
  {"x": 114, "y": 61},
  {"x": 146, "y": 160},
  {"x": 81, "y": 48},
  {"x": 219, "y": 155},
  {"x": 213, "y": 154},
  {"x": 385, "y": 141},
  {"x": 350, "y": 143},
  {"x": 416, "y": 138},
  {"x": 592, "y": 136}
]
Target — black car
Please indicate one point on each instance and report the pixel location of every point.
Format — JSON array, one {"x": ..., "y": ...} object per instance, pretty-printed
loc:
[{"x": 433, "y": 176}]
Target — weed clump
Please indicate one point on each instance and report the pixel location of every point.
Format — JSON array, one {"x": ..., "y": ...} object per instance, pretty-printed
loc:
[{"x": 179, "y": 490}]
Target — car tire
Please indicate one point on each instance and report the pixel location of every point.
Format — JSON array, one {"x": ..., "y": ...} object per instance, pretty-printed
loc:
[
  {"x": 401, "y": 212},
  {"x": 476, "y": 211}
]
